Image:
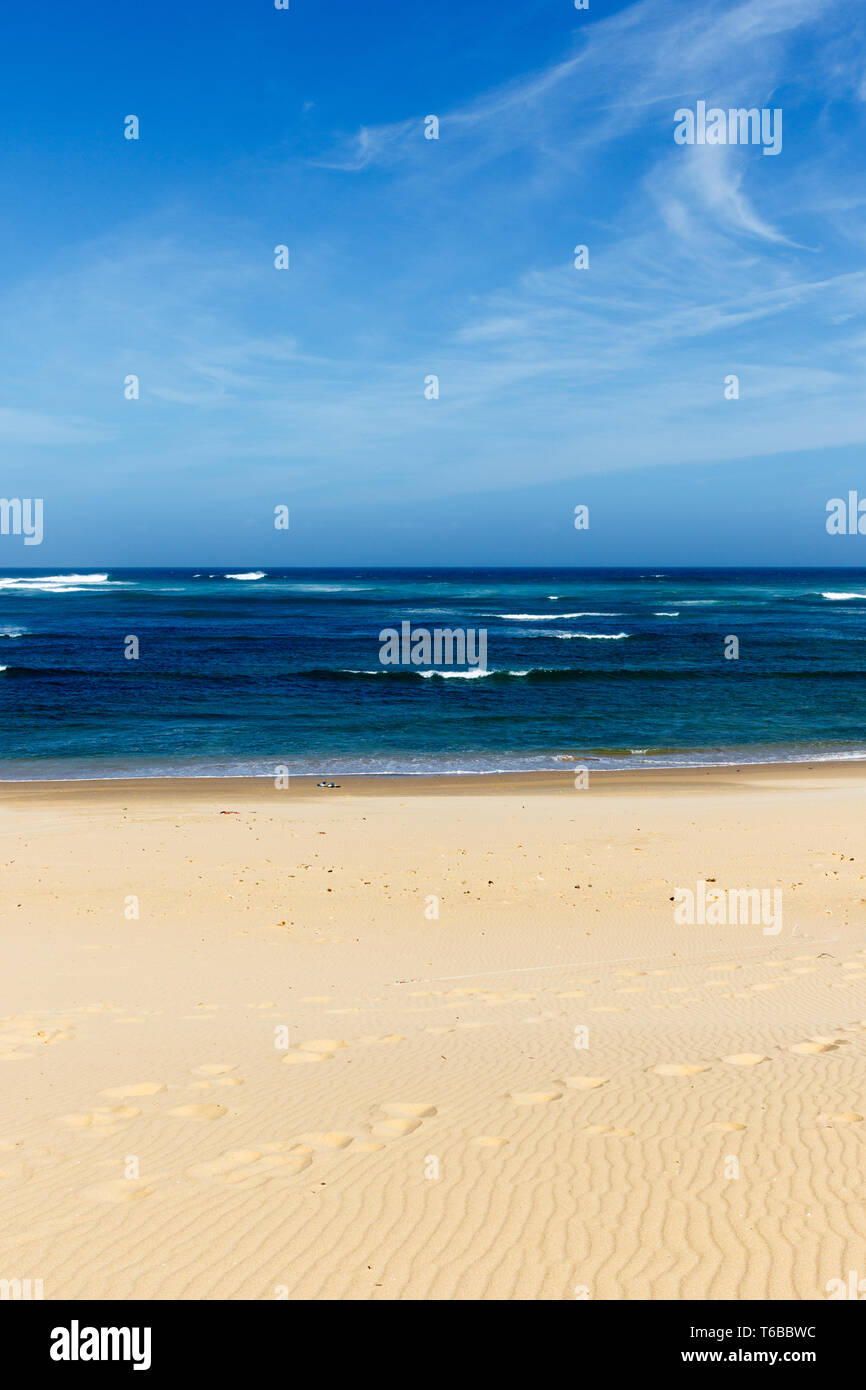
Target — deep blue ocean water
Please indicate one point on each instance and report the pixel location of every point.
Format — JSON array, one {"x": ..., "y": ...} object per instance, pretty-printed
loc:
[{"x": 614, "y": 668}]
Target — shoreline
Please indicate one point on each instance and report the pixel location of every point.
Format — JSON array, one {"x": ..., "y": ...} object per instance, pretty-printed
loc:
[{"x": 713, "y": 776}]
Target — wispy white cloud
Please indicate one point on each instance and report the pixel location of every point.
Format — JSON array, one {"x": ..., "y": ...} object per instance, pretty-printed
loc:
[
  {"x": 627, "y": 71},
  {"x": 707, "y": 187}
]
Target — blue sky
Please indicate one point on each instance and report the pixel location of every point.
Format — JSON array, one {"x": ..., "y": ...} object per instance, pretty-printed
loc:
[{"x": 412, "y": 257}]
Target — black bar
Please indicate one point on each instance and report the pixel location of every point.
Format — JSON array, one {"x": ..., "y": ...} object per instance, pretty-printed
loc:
[{"x": 225, "y": 1338}]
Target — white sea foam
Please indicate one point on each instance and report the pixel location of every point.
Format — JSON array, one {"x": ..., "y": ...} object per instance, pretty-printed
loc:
[
  {"x": 832, "y": 595},
  {"x": 13, "y": 631},
  {"x": 62, "y": 583},
  {"x": 467, "y": 675},
  {"x": 457, "y": 675},
  {"x": 251, "y": 574},
  {"x": 551, "y": 617},
  {"x": 664, "y": 614},
  {"x": 589, "y": 636},
  {"x": 19, "y": 582}
]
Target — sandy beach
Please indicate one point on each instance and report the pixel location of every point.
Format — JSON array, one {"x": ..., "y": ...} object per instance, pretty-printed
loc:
[{"x": 433, "y": 1038}]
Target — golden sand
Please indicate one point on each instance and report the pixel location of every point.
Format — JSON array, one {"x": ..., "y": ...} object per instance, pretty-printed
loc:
[{"x": 432, "y": 1038}]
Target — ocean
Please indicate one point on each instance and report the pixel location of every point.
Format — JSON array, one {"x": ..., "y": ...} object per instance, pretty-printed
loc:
[{"x": 240, "y": 672}]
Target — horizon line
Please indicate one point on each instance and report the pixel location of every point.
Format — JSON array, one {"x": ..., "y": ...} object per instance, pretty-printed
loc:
[{"x": 505, "y": 569}]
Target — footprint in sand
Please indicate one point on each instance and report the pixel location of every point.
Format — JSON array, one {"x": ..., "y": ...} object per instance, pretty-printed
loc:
[
  {"x": 403, "y": 1117},
  {"x": 326, "y": 1142},
  {"x": 847, "y": 1117},
  {"x": 585, "y": 1083},
  {"x": 746, "y": 1059},
  {"x": 811, "y": 1048},
  {"x": 533, "y": 1097},
  {"x": 105, "y": 1119},
  {"x": 317, "y": 1050},
  {"x": 678, "y": 1069},
  {"x": 724, "y": 1126},
  {"x": 488, "y": 1141},
  {"x": 391, "y": 1129},
  {"x": 199, "y": 1112},
  {"x": 214, "y": 1068},
  {"x": 253, "y": 1167},
  {"x": 138, "y": 1088}
]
